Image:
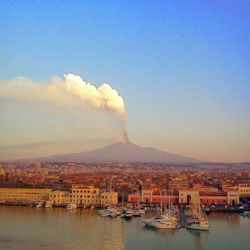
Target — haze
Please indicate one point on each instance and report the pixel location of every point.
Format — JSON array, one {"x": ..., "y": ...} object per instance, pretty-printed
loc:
[{"x": 182, "y": 69}]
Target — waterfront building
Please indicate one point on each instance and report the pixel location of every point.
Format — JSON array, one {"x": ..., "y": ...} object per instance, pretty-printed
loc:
[
  {"x": 233, "y": 197},
  {"x": 109, "y": 198},
  {"x": 86, "y": 195},
  {"x": 153, "y": 196},
  {"x": 58, "y": 198},
  {"x": 24, "y": 194},
  {"x": 227, "y": 197},
  {"x": 89, "y": 195},
  {"x": 244, "y": 190}
]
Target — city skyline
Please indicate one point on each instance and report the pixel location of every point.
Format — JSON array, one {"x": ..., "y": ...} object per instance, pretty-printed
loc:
[{"x": 182, "y": 70}]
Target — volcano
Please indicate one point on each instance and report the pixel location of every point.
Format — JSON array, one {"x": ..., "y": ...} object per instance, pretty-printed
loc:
[{"x": 121, "y": 152}]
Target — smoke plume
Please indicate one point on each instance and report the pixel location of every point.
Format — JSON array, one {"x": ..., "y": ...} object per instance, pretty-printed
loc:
[{"x": 63, "y": 93}]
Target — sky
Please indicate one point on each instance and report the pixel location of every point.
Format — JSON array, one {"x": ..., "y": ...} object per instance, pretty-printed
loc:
[{"x": 182, "y": 68}]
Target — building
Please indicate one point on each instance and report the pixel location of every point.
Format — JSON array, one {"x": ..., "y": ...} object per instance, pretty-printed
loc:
[
  {"x": 244, "y": 190},
  {"x": 227, "y": 197},
  {"x": 58, "y": 198},
  {"x": 178, "y": 183},
  {"x": 153, "y": 196},
  {"x": 2, "y": 174},
  {"x": 233, "y": 197},
  {"x": 89, "y": 195},
  {"x": 24, "y": 194},
  {"x": 84, "y": 195},
  {"x": 109, "y": 198}
]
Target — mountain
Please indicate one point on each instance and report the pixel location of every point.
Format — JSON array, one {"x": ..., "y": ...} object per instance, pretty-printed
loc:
[{"x": 122, "y": 152}]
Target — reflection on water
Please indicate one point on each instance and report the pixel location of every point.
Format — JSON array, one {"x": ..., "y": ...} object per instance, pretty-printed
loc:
[
  {"x": 232, "y": 219},
  {"x": 59, "y": 228},
  {"x": 200, "y": 238}
]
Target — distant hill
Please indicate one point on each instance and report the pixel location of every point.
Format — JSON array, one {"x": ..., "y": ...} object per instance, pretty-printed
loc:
[{"x": 121, "y": 152}]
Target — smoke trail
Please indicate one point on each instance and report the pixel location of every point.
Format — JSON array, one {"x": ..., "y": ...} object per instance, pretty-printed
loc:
[
  {"x": 104, "y": 98},
  {"x": 62, "y": 93}
]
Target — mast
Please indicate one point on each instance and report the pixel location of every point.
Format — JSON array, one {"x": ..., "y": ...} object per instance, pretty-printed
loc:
[{"x": 161, "y": 201}]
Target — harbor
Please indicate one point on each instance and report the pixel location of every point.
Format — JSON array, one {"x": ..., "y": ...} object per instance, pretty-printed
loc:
[{"x": 60, "y": 228}]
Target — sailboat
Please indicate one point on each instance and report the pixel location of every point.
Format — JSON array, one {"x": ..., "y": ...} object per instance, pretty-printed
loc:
[
  {"x": 165, "y": 221},
  {"x": 202, "y": 223}
]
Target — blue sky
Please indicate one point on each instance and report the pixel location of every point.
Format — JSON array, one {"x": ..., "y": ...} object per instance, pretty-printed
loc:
[{"x": 181, "y": 66}]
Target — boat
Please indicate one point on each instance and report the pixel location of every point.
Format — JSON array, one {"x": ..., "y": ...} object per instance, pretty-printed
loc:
[
  {"x": 48, "y": 206},
  {"x": 39, "y": 205},
  {"x": 127, "y": 215},
  {"x": 202, "y": 225},
  {"x": 149, "y": 222},
  {"x": 72, "y": 206},
  {"x": 136, "y": 213},
  {"x": 196, "y": 218},
  {"x": 246, "y": 213},
  {"x": 165, "y": 224},
  {"x": 106, "y": 214},
  {"x": 207, "y": 210},
  {"x": 113, "y": 214},
  {"x": 167, "y": 220}
]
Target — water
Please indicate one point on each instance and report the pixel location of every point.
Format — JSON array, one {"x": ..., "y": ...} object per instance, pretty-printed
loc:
[{"x": 57, "y": 228}]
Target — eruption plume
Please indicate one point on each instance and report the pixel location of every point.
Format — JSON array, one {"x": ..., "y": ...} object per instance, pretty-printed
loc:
[{"x": 61, "y": 93}]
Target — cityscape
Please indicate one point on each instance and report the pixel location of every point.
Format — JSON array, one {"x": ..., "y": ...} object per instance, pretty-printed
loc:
[{"x": 124, "y": 125}]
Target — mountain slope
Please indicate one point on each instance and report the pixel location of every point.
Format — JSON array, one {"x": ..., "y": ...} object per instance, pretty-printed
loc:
[{"x": 122, "y": 152}]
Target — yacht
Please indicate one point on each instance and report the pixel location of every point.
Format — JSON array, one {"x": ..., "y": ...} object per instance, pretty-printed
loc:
[
  {"x": 113, "y": 214},
  {"x": 159, "y": 220},
  {"x": 127, "y": 215},
  {"x": 165, "y": 224},
  {"x": 72, "y": 206},
  {"x": 202, "y": 225}
]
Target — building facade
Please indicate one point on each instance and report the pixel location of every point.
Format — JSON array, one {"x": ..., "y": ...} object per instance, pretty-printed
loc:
[
  {"x": 24, "y": 194},
  {"x": 109, "y": 198},
  {"x": 227, "y": 197},
  {"x": 244, "y": 190},
  {"x": 89, "y": 195},
  {"x": 153, "y": 196},
  {"x": 58, "y": 198}
]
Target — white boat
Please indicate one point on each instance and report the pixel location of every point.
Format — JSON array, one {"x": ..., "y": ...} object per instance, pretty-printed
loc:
[
  {"x": 136, "y": 212},
  {"x": 142, "y": 211},
  {"x": 39, "y": 205},
  {"x": 165, "y": 224},
  {"x": 72, "y": 206},
  {"x": 202, "y": 225},
  {"x": 246, "y": 213},
  {"x": 164, "y": 217},
  {"x": 168, "y": 220},
  {"x": 113, "y": 214},
  {"x": 105, "y": 214},
  {"x": 127, "y": 215},
  {"x": 149, "y": 222},
  {"x": 48, "y": 206}
]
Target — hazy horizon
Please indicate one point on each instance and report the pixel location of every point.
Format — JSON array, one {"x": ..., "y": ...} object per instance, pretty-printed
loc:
[{"x": 168, "y": 75}]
